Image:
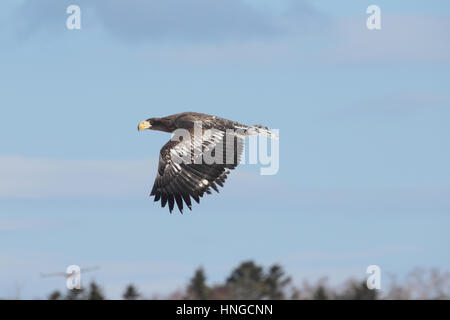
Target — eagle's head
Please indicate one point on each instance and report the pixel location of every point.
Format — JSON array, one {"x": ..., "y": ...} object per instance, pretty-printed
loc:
[{"x": 156, "y": 124}]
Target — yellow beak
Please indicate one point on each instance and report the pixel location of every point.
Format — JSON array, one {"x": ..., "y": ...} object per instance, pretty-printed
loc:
[{"x": 144, "y": 125}]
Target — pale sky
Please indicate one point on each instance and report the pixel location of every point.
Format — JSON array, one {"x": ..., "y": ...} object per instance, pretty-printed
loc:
[{"x": 363, "y": 117}]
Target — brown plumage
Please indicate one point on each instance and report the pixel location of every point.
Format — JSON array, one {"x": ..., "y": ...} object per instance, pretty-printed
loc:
[{"x": 183, "y": 169}]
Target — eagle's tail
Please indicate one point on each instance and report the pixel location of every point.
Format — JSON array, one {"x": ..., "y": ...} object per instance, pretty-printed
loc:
[{"x": 255, "y": 130}]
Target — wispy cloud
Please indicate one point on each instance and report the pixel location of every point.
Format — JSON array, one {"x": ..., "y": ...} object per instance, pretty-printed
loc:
[
  {"x": 34, "y": 178},
  {"x": 197, "y": 20},
  {"x": 399, "y": 103},
  {"x": 23, "y": 177},
  {"x": 403, "y": 38},
  {"x": 29, "y": 224},
  {"x": 202, "y": 31},
  {"x": 171, "y": 20},
  {"x": 429, "y": 199},
  {"x": 31, "y": 178},
  {"x": 348, "y": 256}
]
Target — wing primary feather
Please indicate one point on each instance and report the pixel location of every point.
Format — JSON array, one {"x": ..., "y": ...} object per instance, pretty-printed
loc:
[
  {"x": 213, "y": 185},
  {"x": 179, "y": 202},
  {"x": 185, "y": 192},
  {"x": 196, "y": 198},
  {"x": 171, "y": 202},
  {"x": 187, "y": 199},
  {"x": 163, "y": 200}
]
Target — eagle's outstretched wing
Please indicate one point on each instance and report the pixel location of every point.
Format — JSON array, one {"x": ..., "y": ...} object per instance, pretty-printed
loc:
[{"x": 191, "y": 167}]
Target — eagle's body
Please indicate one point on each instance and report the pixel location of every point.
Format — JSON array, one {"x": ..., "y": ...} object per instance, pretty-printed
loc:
[{"x": 185, "y": 168}]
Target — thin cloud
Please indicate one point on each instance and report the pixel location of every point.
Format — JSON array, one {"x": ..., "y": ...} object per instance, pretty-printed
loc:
[
  {"x": 28, "y": 225},
  {"x": 34, "y": 178},
  {"x": 399, "y": 103},
  {"x": 195, "y": 20},
  {"x": 403, "y": 38},
  {"x": 188, "y": 31},
  {"x": 198, "y": 21},
  {"x": 39, "y": 178}
]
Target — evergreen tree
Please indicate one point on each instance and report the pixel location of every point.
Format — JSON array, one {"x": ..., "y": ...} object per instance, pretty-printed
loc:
[
  {"x": 131, "y": 293},
  {"x": 276, "y": 281},
  {"x": 247, "y": 281},
  {"x": 95, "y": 293},
  {"x": 359, "y": 291},
  {"x": 75, "y": 294},
  {"x": 55, "y": 295},
  {"x": 321, "y": 293},
  {"x": 197, "y": 286}
]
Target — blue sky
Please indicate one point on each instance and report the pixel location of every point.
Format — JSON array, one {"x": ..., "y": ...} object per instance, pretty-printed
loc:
[{"x": 363, "y": 118}]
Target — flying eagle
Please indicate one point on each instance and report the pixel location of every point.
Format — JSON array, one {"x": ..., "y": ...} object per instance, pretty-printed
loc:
[{"x": 202, "y": 151}]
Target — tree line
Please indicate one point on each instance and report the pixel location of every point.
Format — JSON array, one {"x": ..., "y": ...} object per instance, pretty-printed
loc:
[{"x": 251, "y": 281}]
